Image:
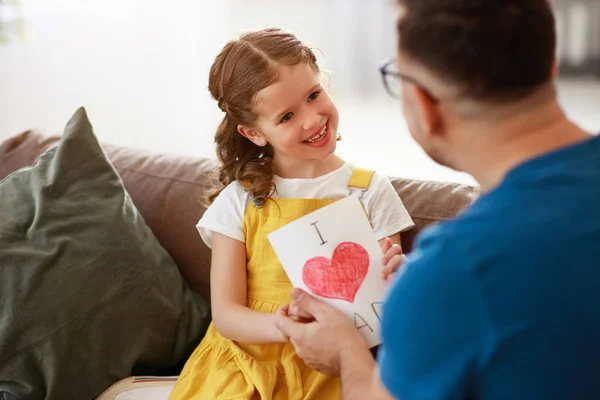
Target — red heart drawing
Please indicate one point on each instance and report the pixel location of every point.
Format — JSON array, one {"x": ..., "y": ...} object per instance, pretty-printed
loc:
[{"x": 340, "y": 277}]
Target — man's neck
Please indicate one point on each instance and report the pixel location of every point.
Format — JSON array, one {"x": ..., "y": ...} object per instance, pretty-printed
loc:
[{"x": 501, "y": 143}]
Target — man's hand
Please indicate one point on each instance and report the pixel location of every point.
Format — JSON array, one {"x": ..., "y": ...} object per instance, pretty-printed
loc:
[
  {"x": 326, "y": 340},
  {"x": 297, "y": 314}
]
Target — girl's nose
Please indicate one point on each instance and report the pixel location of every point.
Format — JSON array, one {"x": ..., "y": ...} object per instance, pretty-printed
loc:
[{"x": 312, "y": 122}]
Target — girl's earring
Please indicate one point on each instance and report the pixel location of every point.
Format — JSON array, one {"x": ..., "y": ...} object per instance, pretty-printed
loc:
[{"x": 260, "y": 142}]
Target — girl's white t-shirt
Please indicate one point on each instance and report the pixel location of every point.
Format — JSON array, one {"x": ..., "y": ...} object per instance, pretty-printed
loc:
[{"x": 384, "y": 208}]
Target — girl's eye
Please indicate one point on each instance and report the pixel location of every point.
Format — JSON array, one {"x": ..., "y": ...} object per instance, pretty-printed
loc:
[
  {"x": 287, "y": 117},
  {"x": 314, "y": 95}
]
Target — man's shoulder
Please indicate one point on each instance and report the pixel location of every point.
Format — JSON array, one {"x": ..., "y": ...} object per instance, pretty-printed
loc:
[
  {"x": 492, "y": 222},
  {"x": 519, "y": 217},
  {"x": 467, "y": 227}
]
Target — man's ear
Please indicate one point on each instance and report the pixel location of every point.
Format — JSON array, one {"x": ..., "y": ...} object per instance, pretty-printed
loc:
[
  {"x": 429, "y": 118},
  {"x": 252, "y": 135}
]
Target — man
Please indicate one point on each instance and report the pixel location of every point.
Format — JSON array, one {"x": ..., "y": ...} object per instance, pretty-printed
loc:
[{"x": 504, "y": 301}]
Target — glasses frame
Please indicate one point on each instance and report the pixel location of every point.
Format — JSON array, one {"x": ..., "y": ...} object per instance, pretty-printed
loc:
[{"x": 386, "y": 70}]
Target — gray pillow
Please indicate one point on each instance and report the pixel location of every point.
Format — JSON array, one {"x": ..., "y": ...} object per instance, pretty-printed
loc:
[{"x": 87, "y": 294}]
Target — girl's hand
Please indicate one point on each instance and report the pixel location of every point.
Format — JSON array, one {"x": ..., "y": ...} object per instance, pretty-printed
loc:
[{"x": 392, "y": 258}]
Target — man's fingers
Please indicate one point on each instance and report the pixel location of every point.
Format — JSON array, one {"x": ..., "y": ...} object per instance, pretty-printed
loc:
[
  {"x": 308, "y": 304},
  {"x": 297, "y": 312},
  {"x": 283, "y": 310},
  {"x": 298, "y": 315},
  {"x": 285, "y": 324}
]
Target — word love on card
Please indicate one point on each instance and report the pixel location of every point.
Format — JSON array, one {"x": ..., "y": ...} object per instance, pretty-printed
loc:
[
  {"x": 333, "y": 254},
  {"x": 339, "y": 277}
]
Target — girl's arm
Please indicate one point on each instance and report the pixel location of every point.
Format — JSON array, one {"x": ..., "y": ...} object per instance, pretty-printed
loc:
[{"x": 232, "y": 319}]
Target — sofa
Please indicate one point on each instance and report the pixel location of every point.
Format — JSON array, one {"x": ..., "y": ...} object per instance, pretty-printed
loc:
[{"x": 157, "y": 204}]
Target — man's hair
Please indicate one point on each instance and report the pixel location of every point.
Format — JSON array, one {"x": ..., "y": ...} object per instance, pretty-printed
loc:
[{"x": 493, "y": 50}]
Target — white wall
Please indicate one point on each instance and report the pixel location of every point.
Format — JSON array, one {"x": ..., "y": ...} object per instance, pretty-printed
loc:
[{"x": 140, "y": 67}]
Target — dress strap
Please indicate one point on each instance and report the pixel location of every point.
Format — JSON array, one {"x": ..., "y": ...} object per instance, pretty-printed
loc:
[{"x": 360, "y": 180}]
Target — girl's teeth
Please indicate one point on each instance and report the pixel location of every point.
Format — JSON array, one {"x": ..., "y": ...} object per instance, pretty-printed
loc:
[{"x": 319, "y": 136}]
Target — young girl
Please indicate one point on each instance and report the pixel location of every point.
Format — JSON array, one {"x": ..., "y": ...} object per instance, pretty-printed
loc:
[{"x": 276, "y": 146}]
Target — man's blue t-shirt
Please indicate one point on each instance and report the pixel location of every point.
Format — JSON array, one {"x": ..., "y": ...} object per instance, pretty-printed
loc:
[{"x": 504, "y": 301}]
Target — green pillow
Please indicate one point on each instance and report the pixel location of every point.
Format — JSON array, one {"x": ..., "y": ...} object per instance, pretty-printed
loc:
[{"x": 87, "y": 294}]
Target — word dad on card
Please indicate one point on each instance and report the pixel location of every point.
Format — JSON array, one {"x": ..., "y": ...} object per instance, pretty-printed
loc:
[{"x": 333, "y": 254}]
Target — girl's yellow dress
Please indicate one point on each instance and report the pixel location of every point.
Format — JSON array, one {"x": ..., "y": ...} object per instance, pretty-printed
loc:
[{"x": 223, "y": 369}]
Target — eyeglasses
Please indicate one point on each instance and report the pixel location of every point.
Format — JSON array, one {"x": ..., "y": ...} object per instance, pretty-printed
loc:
[{"x": 392, "y": 81}]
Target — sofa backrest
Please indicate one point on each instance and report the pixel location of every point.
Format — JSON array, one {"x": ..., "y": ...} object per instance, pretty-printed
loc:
[{"x": 167, "y": 190}]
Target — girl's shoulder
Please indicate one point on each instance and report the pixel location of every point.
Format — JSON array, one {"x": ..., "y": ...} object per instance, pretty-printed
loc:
[
  {"x": 232, "y": 191},
  {"x": 232, "y": 196},
  {"x": 225, "y": 215},
  {"x": 378, "y": 180}
]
